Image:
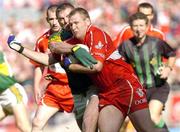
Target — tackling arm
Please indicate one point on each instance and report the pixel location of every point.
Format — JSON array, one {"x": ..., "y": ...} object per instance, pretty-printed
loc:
[
  {"x": 60, "y": 48},
  {"x": 78, "y": 68}
]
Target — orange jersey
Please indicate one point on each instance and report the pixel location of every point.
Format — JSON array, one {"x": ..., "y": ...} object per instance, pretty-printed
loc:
[
  {"x": 126, "y": 33},
  {"x": 41, "y": 46},
  {"x": 55, "y": 70}
]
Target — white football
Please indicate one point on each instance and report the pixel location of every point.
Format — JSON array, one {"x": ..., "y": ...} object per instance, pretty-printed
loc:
[{"x": 84, "y": 47}]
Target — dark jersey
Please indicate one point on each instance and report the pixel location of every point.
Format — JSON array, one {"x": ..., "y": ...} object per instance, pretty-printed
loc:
[
  {"x": 147, "y": 58},
  {"x": 78, "y": 82}
]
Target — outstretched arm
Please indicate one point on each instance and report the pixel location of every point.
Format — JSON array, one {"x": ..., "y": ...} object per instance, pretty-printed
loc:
[{"x": 45, "y": 59}]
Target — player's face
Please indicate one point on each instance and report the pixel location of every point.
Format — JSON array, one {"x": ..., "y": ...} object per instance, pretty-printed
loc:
[
  {"x": 147, "y": 12},
  {"x": 53, "y": 22},
  {"x": 79, "y": 24},
  {"x": 63, "y": 17},
  {"x": 139, "y": 28}
]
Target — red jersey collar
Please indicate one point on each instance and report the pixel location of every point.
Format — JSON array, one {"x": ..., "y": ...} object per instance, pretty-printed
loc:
[{"x": 88, "y": 28}]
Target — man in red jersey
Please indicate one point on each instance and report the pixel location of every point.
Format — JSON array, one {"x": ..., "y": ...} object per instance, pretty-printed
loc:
[
  {"x": 84, "y": 92},
  {"x": 127, "y": 33},
  {"x": 120, "y": 91}
]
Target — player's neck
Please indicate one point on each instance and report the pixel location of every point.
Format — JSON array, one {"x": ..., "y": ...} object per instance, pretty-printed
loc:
[{"x": 140, "y": 41}]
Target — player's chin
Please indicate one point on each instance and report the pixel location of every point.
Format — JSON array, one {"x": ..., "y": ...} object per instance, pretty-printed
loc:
[
  {"x": 77, "y": 36},
  {"x": 55, "y": 29}
]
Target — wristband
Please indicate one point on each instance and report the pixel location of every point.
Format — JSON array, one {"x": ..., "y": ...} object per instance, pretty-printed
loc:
[
  {"x": 67, "y": 62},
  {"x": 75, "y": 48},
  {"x": 21, "y": 49}
]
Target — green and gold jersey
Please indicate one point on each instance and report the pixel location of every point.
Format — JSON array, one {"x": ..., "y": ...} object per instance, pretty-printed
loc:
[{"x": 6, "y": 74}]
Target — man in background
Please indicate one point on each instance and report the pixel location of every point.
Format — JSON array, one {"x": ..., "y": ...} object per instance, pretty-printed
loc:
[
  {"x": 145, "y": 54},
  {"x": 127, "y": 32},
  {"x": 57, "y": 94}
]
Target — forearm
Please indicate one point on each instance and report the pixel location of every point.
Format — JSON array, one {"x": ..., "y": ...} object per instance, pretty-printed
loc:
[
  {"x": 78, "y": 68},
  {"x": 39, "y": 57},
  {"x": 45, "y": 59},
  {"x": 168, "y": 68},
  {"x": 61, "y": 48}
]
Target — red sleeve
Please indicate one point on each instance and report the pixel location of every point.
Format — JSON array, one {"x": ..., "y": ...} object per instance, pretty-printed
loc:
[
  {"x": 98, "y": 42},
  {"x": 126, "y": 34}
]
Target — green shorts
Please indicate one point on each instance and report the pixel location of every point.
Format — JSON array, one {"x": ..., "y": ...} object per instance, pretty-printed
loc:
[{"x": 81, "y": 100}]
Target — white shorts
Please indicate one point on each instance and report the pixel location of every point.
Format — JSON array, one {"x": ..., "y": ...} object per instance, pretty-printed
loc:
[
  {"x": 81, "y": 101},
  {"x": 13, "y": 96}
]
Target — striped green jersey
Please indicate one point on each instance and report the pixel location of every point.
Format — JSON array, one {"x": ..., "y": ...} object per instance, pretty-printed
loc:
[{"x": 146, "y": 59}]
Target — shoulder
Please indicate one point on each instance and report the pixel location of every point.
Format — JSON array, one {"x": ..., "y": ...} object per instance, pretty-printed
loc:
[
  {"x": 157, "y": 33},
  {"x": 126, "y": 28},
  {"x": 126, "y": 33},
  {"x": 155, "y": 40},
  {"x": 157, "y": 30},
  {"x": 97, "y": 32},
  {"x": 93, "y": 28},
  {"x": 42, "y": 42},
  {"x": 43, "y": 37}
]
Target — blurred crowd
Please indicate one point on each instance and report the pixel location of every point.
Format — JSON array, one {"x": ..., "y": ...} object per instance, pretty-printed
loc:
[{"x": 26, "y": 19}]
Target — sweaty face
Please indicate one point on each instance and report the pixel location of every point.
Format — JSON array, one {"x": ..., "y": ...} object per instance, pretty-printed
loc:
[
  {"x": 147, "y": 12},
  {"x": 63, "y": 17},
  {"x": 139, "y": 28},
  {"x": 79, "y": 25},
  {"x": 53, "y": 22}
]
